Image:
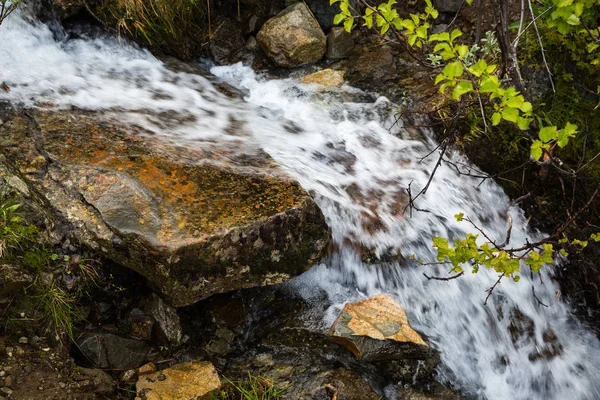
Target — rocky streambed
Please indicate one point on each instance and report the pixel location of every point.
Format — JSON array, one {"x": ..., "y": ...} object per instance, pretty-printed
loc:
[{"x": 178, "y": 216}]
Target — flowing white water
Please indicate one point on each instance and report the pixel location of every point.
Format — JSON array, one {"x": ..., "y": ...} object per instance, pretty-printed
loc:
[{"x": 343, "y": 152}]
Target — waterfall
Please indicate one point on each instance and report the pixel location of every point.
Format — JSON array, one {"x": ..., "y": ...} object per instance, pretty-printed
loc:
[{"x": 346, "y": 149}]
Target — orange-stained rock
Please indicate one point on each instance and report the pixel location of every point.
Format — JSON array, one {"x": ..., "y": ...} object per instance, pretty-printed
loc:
[
  {"x": 187, "y": 381},
  {"x": 377, "y": 329},
  {"x": 193, "y": 220},
  {"x": 146, "y": 369}
]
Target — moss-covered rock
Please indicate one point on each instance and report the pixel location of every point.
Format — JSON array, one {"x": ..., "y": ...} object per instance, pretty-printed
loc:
[{"x": 193, "y": 230}]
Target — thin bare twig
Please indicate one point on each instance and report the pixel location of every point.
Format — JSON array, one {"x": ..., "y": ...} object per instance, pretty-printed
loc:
[
  {"x": 437, "y": 278},
  {"x": 533, "y": 290},
  {"x": 490, "y": 290},
  {"x": 508, "y": 232},
  {"x": 537, "y": 32},
  {"x": 531, "y": 23},
  {"x": 516, "y": 42}
]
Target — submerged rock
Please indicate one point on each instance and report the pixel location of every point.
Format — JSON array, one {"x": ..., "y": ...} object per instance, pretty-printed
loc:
[
  {"x": 293, "y": 37},
  {"x": 191, "y": 228},
  {"x": 192, "y": 380}
]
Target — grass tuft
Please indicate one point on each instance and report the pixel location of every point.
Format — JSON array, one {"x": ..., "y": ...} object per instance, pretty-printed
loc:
[{"x": 252, "y": 388}]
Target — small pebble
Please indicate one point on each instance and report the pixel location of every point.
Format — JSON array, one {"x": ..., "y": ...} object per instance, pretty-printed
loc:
[
  {"x": 19, "y": 351},
  {"x": 2, "y": 373},
  {"x": 62, "y": 385},
  {"x": 6, "y": 391},
  {"x": 46, "y": 349},
  {"x": 23, "y": 340},
  {"x": 9, "y": 381},
  {"x": 9, "y": 351}
]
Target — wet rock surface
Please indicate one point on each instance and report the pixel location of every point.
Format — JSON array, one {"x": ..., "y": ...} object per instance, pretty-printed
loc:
[
  {"x": 192, "y": 230},
  {"x": 377, "y": 329},
  {"x": 193, "y": 380},
  {"x": 168, "y": 327},
  {"x": 293, "y": 37},
  {"x": 278, "y": 334}
]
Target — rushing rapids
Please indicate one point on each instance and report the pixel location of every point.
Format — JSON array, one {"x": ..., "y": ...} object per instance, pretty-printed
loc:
[{"x": 345, "y": 148}]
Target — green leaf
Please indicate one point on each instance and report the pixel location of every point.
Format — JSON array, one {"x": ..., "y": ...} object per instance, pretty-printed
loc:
[
  {"x": 563, "y": 3},
  {"x": 453, "y": 69},
  {"x": 440, "y": 37},
  {"x": 478, "y": 68},
  {"x": 455, "y": 34},
  {"x": 332, "y": 2},
  {"x": 344, "y": 8},
  {"x": 462, "y": 50},
  {"x": 439, "y": 78},
  {"x": 548, "y": 133},
  {"x": 515, "y": 102},
  {"x": 384, "y": 28},
  {"x": 463, "y": 87},
  {"x": 445, "y": 85},
  {"x": 412, "y": 39},
  {"x": 338, "y": 18},
  {"x": 526, "y": 107},
  {"x": 348, "y": 24},
  {"x": 422, "y": 31},
  {"x": 536, "y": 150},
  {"x": 510, "y": 114},
  {"x": 516, "y": 278},
  {"x": 524, "y": 123},
  {"x": 368, "y": 21},
  {"x": 415, "y": 19},
  {"x": 408, "y": 24},
  {"x": 459, "y": 217},
  {"x": 489, "y": 85},
  {"x": 573, "y": 20},
  {"x": 441, "y": 46},
  {"x": 432, "y": 11},
  {"x": 570, "y": 129},
  {"x": 496, "y": 118}
]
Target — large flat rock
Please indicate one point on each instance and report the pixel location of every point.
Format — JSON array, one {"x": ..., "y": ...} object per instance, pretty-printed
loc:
[{"x": 191, "y": 226}]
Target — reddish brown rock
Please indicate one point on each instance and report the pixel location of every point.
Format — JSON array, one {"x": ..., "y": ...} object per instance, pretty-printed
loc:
[{"x": 192, "y": 229}]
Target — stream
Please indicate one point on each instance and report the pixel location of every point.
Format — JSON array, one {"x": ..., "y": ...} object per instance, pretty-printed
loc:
[{"x": 345, "y": 148}]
